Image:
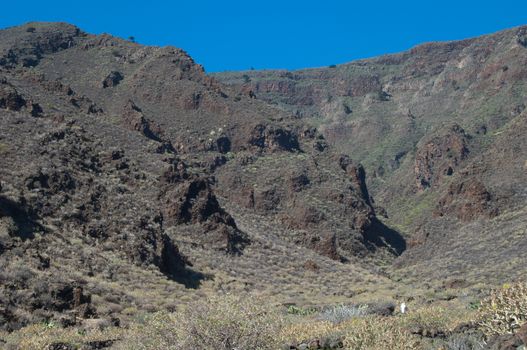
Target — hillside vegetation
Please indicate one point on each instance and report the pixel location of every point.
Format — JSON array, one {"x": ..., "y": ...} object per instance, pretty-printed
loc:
[{"x": 145, "y": 204}]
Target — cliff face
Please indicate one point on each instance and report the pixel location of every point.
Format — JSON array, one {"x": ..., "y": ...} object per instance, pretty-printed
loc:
[{"x": 120, "y": 162}]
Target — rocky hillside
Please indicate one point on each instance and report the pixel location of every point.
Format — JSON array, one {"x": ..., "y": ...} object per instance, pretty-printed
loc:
[
  {"x": 438, "y": 129},
  {"x": 131, "y": 181}
]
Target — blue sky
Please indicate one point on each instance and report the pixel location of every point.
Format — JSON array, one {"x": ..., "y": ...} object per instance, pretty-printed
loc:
[{"x": 237, "y": 35}]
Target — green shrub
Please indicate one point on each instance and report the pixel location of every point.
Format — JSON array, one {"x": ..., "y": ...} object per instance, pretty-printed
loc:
[{"x": 295, "y": 310}]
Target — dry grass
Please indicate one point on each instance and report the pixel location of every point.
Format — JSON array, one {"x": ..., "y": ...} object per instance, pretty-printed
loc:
[
  {"x": 444, "y": 316},
  {"x": 249, "y": 322},
  {"x": 274, "y": 267},
  {"x": 375, "y": 332},
  {"x": 379, "y": 333},
  {"x": 41, "y": 336}
]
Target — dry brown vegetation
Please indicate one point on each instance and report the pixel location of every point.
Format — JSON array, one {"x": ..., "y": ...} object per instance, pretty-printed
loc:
[
  {"x": 249, "y": 322},
  {"x": 228, "y": 321},
  {"x": 505, "y": 310}
]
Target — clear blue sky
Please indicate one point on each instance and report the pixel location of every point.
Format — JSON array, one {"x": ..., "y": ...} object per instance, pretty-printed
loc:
[{"x": 237, "y": 35}]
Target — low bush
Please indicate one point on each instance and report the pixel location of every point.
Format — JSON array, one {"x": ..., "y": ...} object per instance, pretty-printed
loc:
[
  {"x": 221, "y": 322},
  {"x": 441, "y": 316},
  {"x": 464, "y": 342},
  {"x": 379, "y": 333},
  {"x": 308, "y": 329},
  {"x": 432, "y": 318},
  {"x": 295, "y": 310},
  {"x": 505, "y": 310},
  {"x": 44, "y": 335},
  {"x": 342, "y": 313}
]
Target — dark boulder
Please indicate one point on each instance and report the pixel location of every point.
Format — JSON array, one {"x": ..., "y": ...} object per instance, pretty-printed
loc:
[
  {"x": 112, "y": 79},
  {"x": 10, "y": 98}
]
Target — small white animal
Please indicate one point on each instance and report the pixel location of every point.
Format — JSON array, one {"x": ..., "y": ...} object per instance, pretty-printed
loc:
[{"x": 403, "y": 307}]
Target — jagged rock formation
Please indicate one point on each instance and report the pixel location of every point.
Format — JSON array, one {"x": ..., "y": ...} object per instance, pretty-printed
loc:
[
  {"x": 190, "y": 199},
  {"x": 271, "y": 139},
  {"x": 134, "y": 118},
  {"x": 26, "y": 45},
  {"x": 62, "y": 192}
]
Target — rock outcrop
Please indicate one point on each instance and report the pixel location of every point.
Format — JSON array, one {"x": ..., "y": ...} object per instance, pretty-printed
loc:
[
  {"x": 272, "y": 138},
  {"x": 440, "y": 157},
  {"x": 134, "y": 119},
  {"x": 467, "y": 200},
  {"x": 10, "y": 99},
  {"x": 190, "y": 199}
]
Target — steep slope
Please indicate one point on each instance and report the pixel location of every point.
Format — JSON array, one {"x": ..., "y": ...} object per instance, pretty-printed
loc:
[
  {"x": 130, "y": 178},
  {"x": 438, "y": 131},
  {"x": 477, "y": 229}
]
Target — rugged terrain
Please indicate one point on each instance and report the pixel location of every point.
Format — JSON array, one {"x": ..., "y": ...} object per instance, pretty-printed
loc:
[
  {"x": 133, "y": 182},
  {"x": 124, "y": 164},
  {"x": 439, "y": 131}
]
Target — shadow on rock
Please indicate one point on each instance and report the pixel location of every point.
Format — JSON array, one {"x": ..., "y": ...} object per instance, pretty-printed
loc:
[
  {"x": 23, "y": 223},
  {"x": 190, "y": 279},
  {"x": 378, "y": 235}
]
